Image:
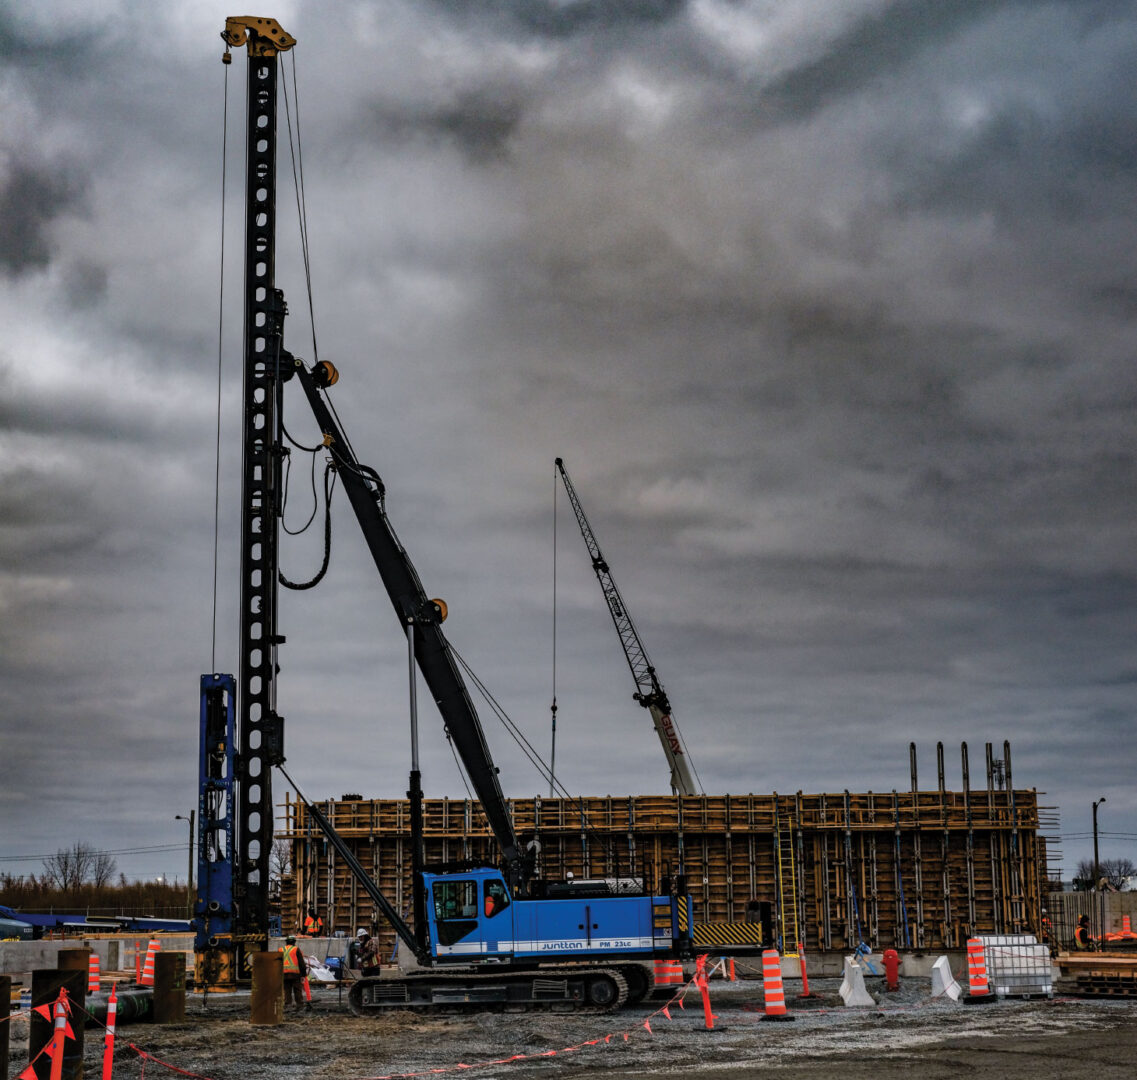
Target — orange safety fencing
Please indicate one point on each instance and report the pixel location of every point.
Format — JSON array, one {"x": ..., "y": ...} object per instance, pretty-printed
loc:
[{"x": 144, "y": 1056}]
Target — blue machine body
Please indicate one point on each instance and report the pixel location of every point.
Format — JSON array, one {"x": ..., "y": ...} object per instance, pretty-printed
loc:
[
  {"x": 213, "y": 907},
  {"x": 472, "y": 917}
]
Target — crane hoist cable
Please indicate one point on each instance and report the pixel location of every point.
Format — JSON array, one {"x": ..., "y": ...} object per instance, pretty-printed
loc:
[
  {"x": 296, "y": 151},
  {"x": 220, "y": 354},
  {"x": 526, "y": 747}
]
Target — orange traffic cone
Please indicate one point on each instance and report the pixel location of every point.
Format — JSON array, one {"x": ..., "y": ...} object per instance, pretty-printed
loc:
[
  {"x": 976, "y": 969},
  {"x": 772, "y": 988},
  {"x": 93, "y": 974},
  {"x": 148, "y": 967},
  {"x": 668, "y": 973}
]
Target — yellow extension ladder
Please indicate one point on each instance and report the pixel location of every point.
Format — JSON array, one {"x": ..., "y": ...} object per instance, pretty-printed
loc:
[{"x": 787, "y": 883}]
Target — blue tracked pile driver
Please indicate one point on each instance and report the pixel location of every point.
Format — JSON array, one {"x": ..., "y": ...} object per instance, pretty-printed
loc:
[{"x": 485, "y": 936}]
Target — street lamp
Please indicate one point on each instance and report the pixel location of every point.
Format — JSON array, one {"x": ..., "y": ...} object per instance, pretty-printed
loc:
[
  {"x": 1097, "y": 868},
  {"x": 192, "y": 813}
]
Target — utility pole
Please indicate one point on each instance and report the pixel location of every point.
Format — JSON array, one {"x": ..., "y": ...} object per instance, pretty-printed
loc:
[
  {"x": 189, "y": 820},
  {"x": 189, "y": 869},
  {"x": 1097, "y": 866}
]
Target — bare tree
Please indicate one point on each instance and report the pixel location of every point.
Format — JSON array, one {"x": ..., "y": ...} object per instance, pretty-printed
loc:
[
  {"x": 1115, "y": 871},
  {"x": 279, "y": 863},
  {"x": 70, "y": 868},
  {"x": 103, "y": 868}
]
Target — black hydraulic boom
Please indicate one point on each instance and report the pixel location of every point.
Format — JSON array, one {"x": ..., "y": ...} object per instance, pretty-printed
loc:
[{"x": 412, "y": 607}]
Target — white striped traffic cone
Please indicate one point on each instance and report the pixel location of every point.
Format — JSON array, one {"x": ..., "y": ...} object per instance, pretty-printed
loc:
[
  {"x": 772, "y": 988},
  {"x": 976, "y": 969},
  {"x": 148, "y": 967},
  {"x": 93, "y": 974}
]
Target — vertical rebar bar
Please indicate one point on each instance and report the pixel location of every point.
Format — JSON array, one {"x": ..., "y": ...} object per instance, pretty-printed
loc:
[
  {"x": 971, "y": 928},
  {"x": 945, "y": 841}
]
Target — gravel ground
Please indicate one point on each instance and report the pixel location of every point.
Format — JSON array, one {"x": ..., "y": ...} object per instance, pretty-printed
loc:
[{"x": 907, "y": 1034}]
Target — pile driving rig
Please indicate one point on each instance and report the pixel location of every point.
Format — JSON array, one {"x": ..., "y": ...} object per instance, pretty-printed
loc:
[{"x": 491, "y": 936}]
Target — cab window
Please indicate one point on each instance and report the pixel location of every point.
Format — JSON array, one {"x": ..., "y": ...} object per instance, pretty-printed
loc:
[
  {"x": 496, "y": 898},
  {"x": 455, "y": 910},
  {"x": 455, "y": 900}
]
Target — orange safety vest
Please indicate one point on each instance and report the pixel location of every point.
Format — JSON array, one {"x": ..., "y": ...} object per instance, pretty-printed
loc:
[
  {"x": 291, "y": 959},
  {"x": 312, "y": 926}
]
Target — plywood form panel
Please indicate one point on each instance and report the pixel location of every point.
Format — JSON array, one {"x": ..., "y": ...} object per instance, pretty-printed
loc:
[{"x": 855, "y": 881}]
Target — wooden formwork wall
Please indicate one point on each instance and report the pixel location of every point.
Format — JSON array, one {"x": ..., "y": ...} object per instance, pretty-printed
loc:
[{"x": 910, "y": 870}]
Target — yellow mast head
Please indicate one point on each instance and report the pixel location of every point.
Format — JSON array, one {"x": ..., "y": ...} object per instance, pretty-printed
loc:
[{"x": 265, "y": 37}]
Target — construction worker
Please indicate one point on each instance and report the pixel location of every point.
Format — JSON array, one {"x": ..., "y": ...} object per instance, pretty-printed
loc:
[
  {"x": 368, "y": 954},
  {"x": 313, "y": 924},
  {"x": 1082, "y": 939},
  {"x": 295, "y": 971}
]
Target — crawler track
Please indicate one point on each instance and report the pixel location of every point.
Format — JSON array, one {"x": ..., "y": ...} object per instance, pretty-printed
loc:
[{"x": 570, "y": 988}]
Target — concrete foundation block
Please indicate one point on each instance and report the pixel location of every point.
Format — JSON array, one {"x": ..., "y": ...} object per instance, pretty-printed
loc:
[
  {"x": 943, "y": 981},
  {"x": 853, "y": 991}
]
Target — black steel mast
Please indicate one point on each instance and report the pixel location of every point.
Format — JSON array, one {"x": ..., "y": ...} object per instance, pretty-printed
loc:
[{"x": 260, "y": 728}]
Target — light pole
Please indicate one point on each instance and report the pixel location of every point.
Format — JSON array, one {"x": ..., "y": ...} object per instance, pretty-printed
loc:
[
  {"x": 1097, "y": 868},
  {"x": 189, "y": 874}
]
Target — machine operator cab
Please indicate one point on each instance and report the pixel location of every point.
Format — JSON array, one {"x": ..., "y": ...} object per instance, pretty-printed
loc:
[{"x": 470, "y": 915}]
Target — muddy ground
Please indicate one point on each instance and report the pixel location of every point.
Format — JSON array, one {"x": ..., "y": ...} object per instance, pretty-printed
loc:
[{"x": 907, "y": 1035}]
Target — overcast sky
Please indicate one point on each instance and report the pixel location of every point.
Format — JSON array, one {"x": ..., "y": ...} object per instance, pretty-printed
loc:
[{"x": 830, "y": 307}]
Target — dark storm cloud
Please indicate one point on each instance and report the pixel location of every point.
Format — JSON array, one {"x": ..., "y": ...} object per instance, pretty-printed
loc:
[
  {"x": 875, "y": 48},
  {"x": 847, "y": 391},
  {"x": 81, "y": 417},
  {"x": 1071, "y": 166},
  {"x": 85, "y": 283},
  {"x": 553, "y": 19},
  {"x": 50, "y": 42},
  {"x": 479, "y": 121},
  {"x": 1118, "y": 299},
  {"x": 33, "y": 197}
]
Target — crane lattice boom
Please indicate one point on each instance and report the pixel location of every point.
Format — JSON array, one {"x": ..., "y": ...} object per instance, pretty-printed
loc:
[{"x": 649, "y": 690}]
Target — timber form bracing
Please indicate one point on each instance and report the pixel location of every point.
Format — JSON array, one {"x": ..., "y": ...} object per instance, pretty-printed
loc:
[{"x": 909, "y": 870}]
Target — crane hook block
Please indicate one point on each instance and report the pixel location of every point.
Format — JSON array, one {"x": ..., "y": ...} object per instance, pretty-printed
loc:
[
  {"x": 265, "y": 37},
  {"x": 440, "y": 607},
  {"x": 326, "y": 374}
]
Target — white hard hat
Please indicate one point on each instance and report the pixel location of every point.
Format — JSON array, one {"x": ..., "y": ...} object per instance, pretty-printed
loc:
[{"x": 362, "y": 933}]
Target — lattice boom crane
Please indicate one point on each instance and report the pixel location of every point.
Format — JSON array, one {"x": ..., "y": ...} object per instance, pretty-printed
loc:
[{"x": 649, "y": 690}]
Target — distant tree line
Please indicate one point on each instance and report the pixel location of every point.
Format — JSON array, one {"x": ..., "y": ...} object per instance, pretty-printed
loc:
[
  {"x": 1116, "y": 873},
  {"x": 72, "y": 868},
  {"x": 82, "y": 879}
]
